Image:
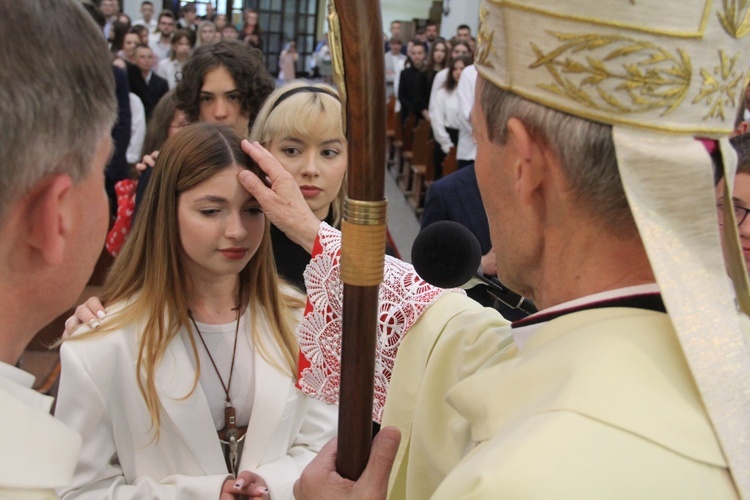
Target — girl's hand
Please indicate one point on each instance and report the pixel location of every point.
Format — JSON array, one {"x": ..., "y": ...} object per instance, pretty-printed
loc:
[
  {"x": 247, "y": 484},
  {"x": 148, "y": 161},
  {"x": 89, "y": 312}
]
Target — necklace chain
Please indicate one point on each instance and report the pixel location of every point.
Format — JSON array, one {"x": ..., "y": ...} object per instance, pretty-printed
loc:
[
  {"x": 230, "y": 435},
  {"x": 228, "y": 385}
]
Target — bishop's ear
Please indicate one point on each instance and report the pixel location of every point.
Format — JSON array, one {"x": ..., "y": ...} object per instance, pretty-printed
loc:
[
  {"x": 48, "y": 217},
  {"x": 530, "y": 157}
]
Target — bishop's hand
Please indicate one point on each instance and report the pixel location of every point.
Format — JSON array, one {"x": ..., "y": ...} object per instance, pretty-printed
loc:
[{"x": 280, "y": 197}]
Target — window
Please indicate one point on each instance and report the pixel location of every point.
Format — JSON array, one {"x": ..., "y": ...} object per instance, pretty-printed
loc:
[{"x": 281, "y": 21}]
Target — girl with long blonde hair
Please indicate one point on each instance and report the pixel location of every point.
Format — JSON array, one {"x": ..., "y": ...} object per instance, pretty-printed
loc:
[{"x": 187, "y": 389}]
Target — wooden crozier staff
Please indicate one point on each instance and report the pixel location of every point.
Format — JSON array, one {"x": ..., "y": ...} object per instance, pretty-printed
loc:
[{"x": 356, "y": 44}]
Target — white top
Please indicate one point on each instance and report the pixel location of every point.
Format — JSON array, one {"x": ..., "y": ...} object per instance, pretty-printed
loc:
[
  {"x": 100, "y": 398},
  {"x": 137, "y": 129},
  {"x": 18, "y": 383},
  {"x": 169, "y": 69},
  {"x": 398, "y": 67},
  {"x": 444, "y": 112},
  {"x": 467, "y": 149},
  {"x": 151, "y": 25},
  {"x": 161, "y": 50},
  {"x": 220, "y": 342},
  {"x": 37, "y": 453},
  {"x": 392, "y": 65},
  {"x": 438, "y": 82}
]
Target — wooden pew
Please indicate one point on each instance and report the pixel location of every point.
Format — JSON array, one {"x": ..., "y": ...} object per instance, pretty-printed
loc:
[
  {"x": 404, "y": 167},
  {"x": 423, "y": 168}
]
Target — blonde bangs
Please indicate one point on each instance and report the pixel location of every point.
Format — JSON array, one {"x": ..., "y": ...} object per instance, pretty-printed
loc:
[{"x": 307, "y": 114}]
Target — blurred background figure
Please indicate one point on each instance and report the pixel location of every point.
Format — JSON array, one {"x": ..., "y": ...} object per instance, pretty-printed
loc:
[
  {"x": 220, "y": 20},
  {"x": 142, "y": 32},
  {"x": 394, "y": 63},
  {"x": 144, "y": 82},
  {"x": 230, "y": 33},
  {"x": 323, "y": 62},
  {"x": 206, "y": 33},
  {"x": 147, "y": 16},
  {"x": 412, "y": 93},
  {"x": 210, "y": 12},
  {"x": 250, "y": 29},
  {"x": 108, "y": 8},
  {"x": 171, "y": 68},
  {"x": 189, "y": 17},
  {"x": 288, "y": 63},
  {"x": 445, "y": 113},
  {"x": 161, "y": 41}
]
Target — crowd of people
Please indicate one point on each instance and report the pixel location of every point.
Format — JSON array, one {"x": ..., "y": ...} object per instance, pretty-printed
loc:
[
  {"x": 210, "y": 365},
  {"x": 153, "y": 49},
  {"x": 152, "y": 52},
  {"x": 424, "y": 74}
]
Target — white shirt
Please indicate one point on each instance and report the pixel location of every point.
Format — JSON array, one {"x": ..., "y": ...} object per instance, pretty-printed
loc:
[
  {"x": 220, "y": 342},
  {"x": 391, "y": 63},
  {"x": 438, "y": 82},
  {"x": 151, "y": 25},
  {"x": 161, "y": 50},
  {"x": 169, "y": 69},
  {"x": 19, "y": 383},
  {"x": 467, "y": 149},
  {"x": 137, "y": 129},
  {"x": 398, "y": 67},
  {"x": 444, "y": 112},
  {"x": 37, "y": 452}
]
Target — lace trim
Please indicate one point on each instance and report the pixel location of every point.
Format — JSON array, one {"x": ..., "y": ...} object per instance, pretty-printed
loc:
[{"x": 403, "y": 298}]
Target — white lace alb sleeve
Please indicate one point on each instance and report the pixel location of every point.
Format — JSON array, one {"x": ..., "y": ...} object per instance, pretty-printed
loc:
[{"x": 403, "y": 297}]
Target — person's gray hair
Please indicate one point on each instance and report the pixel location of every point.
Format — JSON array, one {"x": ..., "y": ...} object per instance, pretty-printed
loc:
[
  {"x": 57, "y": 92},
  {"x": 584, "y": 148}
]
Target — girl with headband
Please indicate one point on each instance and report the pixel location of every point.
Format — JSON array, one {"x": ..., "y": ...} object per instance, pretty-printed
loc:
[{"x": 300, "y": 124}]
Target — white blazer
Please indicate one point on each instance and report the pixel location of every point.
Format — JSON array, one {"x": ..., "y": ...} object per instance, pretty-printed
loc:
[
  {"x": 99, "y": 397},
  {"x": 37, "y": 453}
]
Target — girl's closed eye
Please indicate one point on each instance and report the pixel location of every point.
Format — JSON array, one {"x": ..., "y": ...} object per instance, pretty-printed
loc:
[
  {"x": 208, "y": 212},
  {"x": 254, "y": 210}
]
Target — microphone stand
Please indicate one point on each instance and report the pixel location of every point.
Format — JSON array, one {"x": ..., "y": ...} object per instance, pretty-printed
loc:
[{"x": 504, "y": 295}]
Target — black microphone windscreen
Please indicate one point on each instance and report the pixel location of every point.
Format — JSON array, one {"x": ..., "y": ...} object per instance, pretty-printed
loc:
[{"x": 446, "y": 254}]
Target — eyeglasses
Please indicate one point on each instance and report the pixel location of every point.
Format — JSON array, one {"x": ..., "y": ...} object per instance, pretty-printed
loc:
[{"x": 740, "y": 213}]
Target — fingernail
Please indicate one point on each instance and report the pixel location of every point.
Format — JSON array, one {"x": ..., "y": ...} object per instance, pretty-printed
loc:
[
  {"x": 101, "y": 314},
  {"x": 261, "y": 490},
  {"x": 239, "y": 484},
  {"x": 93, "y": 323}
]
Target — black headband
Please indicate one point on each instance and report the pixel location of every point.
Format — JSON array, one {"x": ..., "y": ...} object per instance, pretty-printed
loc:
[{"x": 308, "y": 88}]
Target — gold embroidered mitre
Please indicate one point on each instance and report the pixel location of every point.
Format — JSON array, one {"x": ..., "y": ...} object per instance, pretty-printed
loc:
[
  {"x": 678, "y": 66},
  {"x": 660, "y": 72}
]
